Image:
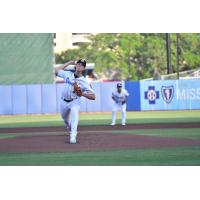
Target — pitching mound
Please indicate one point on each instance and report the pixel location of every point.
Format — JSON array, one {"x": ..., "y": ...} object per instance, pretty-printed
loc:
[
  {"x": 89, "y": 142},
  {"x": 91, "y": 138}
]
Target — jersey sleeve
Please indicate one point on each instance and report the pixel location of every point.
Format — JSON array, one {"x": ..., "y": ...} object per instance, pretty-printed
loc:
[
  {"x": 114, "y": 95},
  {"x": 64, "y": 74},
  {"x": 126, "y": 92},
  {"x": 61, "y": 73},
  {"x": 85, "y": 86},
  {"x": 88, "y": 89}
]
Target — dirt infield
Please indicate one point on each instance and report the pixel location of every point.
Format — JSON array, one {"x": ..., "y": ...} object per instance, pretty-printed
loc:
[
  {"x": 90, "y": 142},
  {"x": 91, "y": 138}
]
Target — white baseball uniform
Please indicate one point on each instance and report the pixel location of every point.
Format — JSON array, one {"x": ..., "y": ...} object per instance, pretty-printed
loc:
[
  {"x": 119, "y": 104},
  {"x": 70, "y": 102}
]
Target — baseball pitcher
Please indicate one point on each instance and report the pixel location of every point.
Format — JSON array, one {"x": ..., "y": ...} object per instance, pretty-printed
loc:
[
  {"x": 76, "y": 86},
  {"x": 119, "y": 98}
]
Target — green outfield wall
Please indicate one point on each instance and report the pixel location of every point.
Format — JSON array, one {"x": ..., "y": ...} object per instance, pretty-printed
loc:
[{"x": 26, "y": 58}]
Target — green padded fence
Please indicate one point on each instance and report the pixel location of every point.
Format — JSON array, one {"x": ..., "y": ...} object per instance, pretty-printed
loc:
[{"x": 26, "y": 58}]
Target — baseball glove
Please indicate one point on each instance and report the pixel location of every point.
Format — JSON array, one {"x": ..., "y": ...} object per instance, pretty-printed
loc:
[{"x": 77, "y": 89}]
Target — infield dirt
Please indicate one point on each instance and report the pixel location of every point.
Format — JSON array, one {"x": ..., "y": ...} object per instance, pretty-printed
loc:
[{"x": 91, "y": 138}]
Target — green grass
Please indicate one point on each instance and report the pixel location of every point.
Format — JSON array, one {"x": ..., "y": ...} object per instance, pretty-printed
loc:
[
  {"x": 5, "y": 136},
  {"x": 103, "y": 118},
  {"x": 188, "y": 156},
  {"x": 192, "y": 133},
  {"x": 13, "y": 135}
]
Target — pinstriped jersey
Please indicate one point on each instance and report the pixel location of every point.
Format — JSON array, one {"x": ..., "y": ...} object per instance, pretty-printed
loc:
[
  {"x": 119, "y": 98},
  {"x": 68, "y": 90}
]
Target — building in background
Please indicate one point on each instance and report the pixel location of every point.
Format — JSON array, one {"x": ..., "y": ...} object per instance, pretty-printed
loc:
[{"x": 64, "y": 41}]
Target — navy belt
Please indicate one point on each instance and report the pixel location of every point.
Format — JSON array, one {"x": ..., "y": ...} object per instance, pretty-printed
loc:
[{"x": 68, "y": 100}]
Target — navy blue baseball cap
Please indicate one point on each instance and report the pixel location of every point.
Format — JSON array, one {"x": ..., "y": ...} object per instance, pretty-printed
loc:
[
  {"x": 82, "y": 62},
  {"x": 119, "y": 85}
]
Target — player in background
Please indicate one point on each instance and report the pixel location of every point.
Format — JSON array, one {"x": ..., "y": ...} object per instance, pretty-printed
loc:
[
  {"x": 70, "y": 98},
  {"x": 119, "y": 98}
]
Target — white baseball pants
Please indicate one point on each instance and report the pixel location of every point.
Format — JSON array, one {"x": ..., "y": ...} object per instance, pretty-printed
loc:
[
  {"x": 122, "y": 108},
  {"x": 72, "y": 108}
]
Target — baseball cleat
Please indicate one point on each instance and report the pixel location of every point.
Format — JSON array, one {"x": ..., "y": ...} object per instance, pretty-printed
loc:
[
  {"x": 123, "y": 124},
  {"x": 112, "y": 124},
  {"x": 72, "y": 140}
]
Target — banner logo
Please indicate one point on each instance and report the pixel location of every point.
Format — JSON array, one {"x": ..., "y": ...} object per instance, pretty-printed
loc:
[
  {"x": 151, "y": 95},
  {"x": 167, "y": 93}
]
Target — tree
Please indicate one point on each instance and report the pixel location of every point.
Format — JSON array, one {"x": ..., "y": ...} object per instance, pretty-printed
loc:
[{"x": 135, "y": 55}]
